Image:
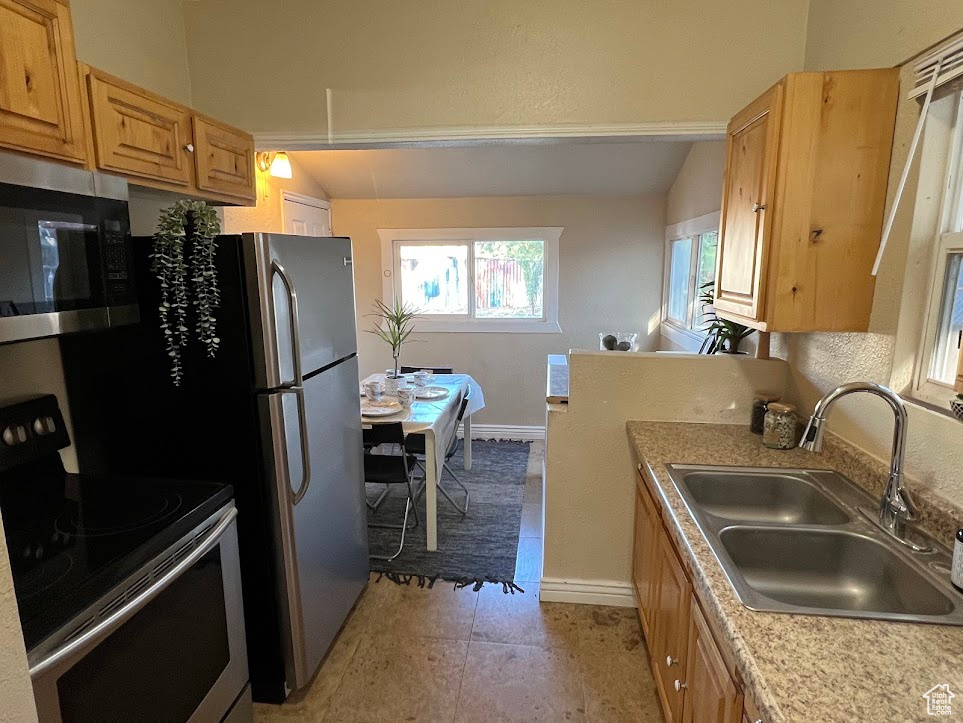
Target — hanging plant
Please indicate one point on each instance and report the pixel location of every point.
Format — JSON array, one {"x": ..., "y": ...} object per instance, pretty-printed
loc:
[{"x": 169, "y": 264}]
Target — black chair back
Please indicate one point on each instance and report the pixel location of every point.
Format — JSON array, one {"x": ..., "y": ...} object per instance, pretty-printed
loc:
[
  {"x": 433, "y": 370},
  {"x": 387, "y": 433}
]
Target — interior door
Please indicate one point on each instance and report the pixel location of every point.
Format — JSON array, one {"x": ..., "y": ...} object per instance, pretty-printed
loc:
[
  {"x": 304, "y": 311},
  {"x": 303, "y": 218},
  {"x": 323, "y": 521},
  {"x": 747, "y": 199}
]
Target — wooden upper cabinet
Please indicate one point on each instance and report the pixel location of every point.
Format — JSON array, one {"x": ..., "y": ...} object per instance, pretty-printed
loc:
[
  {"x": 752, "y": 136},
  {"x": 40, "y": 106},
  {"x": 224, "y": 158},
  {"x": 137, "y": 133},
  {"x": 807, "y": 164},
  {"x": 671, "y": 627},
  {"x": 710, "y": 694}
]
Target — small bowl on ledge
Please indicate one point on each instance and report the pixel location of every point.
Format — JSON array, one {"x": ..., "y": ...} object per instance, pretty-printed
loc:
[{"x": 618, "y": 341}]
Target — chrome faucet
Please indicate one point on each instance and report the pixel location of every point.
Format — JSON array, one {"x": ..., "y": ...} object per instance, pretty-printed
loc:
[{"x": 896, "y": 508}]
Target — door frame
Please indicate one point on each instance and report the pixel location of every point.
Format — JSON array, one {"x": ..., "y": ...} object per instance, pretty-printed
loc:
[{"x": 305, "y": 201}]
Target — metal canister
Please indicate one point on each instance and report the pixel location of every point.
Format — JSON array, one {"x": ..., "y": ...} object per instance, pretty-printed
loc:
[{"x": 956, "y": 573}]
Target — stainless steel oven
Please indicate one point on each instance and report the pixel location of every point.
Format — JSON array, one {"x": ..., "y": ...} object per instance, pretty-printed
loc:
[
  {"x": 167, "y": 644},
  {"x": 64, "y": 250}
]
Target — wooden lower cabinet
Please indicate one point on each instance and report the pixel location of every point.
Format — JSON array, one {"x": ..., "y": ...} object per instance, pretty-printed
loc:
[
  {"x": 670, "y": 630},
  {"x": 710, "y": 694},
  {"x": 645, "y": 556},
  {"x": 694, "y": 680}
]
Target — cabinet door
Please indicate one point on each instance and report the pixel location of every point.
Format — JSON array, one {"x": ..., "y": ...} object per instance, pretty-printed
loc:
[
  {"x": 710, "y": 694},
  {"x": 40, "y": 108},
  {"x": 645, "y": 556},
  {"x": 751, "y": 152},
  {"x": 224, "y": 158},
  {"x": 671, "y": 627},
  {"x": 137, "y": 133}
]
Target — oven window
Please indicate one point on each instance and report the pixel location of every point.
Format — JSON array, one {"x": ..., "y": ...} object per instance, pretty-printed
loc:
[{"x": 161, "y": 663}]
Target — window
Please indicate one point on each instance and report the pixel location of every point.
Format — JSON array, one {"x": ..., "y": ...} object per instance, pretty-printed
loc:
[
  {"x": 690, "y": 265},
  {"x": 496, "y": 279},
  {"x": 938, "y": 359}
]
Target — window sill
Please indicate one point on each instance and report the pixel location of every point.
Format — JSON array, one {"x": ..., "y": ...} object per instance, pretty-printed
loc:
[
  {"x": 929, "y": 406},
  {"x": 488, "y": 327},
  {"x": 686, "y": 338}
]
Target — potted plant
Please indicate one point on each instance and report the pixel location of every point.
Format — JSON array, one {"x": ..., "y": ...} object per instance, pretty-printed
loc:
[
  {"x": 395, "y": 324},
  {"x": 956, "y": 405},
  {"x": 722, "y": 336}
]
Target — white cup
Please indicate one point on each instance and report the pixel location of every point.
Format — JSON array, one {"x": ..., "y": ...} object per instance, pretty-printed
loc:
[
  {"x": 421, "y": 379},
  {"x": 374, "y": 390},
  {"x": 406, "y": 395}
]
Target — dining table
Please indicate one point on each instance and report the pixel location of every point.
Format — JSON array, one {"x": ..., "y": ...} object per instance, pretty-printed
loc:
[{"x": 437, "y": 419}]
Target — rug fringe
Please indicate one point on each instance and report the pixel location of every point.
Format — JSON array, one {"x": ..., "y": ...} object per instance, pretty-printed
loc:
[{"x": 426, "y": 581}]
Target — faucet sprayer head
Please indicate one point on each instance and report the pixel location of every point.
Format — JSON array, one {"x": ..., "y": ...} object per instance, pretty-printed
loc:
[{"x": 812, "y": 438}]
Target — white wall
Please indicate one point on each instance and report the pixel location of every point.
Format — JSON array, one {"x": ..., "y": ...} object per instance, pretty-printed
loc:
[
  {"x": 16, "y": 692},
  {"x": 141, "y": 41},
  {"x": 267, "y": 214},
  {"x": 845, "y": 34},
  {"x": 589, "y": 478},
  {"x": 697, "y": 190},
  {"x": 610, "y": 279},
  {"x": 403, "y": 64}
]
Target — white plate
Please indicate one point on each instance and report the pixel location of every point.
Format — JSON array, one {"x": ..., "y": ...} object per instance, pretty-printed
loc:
[
  {"x": 369, "y": 411},
  {"x": 431, "y": 393}
]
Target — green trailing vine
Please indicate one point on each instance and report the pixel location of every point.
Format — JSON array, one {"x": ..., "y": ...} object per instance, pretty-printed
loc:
[{"x": 177, "y": 286}]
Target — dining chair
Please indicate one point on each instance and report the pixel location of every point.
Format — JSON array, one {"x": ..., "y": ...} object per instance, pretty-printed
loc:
[
  {"x": 433, "y": 370},
  {"x": 389, "y": 469},
  {"x": 416, "y": 446}
]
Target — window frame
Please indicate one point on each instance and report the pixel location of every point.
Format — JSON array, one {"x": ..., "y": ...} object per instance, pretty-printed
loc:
[
  {"x": 391, "y": 239},
  {"x": 948, "y": 240},
  {"x": 687, "y": 335}
]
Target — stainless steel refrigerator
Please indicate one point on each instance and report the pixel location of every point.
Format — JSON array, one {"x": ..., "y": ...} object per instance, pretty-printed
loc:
[
  {"x": 275, "y": 413},
  {"x": 303, "y": 316}
]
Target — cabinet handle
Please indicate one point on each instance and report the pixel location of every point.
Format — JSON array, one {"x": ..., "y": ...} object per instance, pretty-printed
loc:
[
  {"x": 757, "y": 207},
  {"x": 679, "y": 685},
  {"x": 670, "y": 661},
  {"x": 189, "y": 148}
]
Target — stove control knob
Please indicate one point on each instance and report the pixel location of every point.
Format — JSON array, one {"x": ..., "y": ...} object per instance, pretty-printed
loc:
[
  {"x": 44, "y": 426},
  {"x": 14, "y": 434}
]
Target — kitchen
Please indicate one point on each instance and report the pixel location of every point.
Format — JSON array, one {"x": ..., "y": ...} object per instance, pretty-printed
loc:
[{"x": 207, "y": 88}]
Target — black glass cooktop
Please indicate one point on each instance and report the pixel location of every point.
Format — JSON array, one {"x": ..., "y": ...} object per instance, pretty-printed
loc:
[{"x": 72, "y": 538}]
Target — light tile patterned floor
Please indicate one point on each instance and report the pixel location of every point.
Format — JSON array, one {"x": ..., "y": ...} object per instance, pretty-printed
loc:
[{"x": 444, "y": 655}]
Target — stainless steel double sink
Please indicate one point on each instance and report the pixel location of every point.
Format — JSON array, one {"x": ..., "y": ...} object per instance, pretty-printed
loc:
[{"x": 795, "y": 541}]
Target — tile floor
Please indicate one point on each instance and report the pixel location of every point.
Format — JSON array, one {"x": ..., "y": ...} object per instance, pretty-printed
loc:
[{"x": 413, "y": 654}]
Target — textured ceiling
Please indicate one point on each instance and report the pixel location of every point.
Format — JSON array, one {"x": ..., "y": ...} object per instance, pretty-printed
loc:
[{"x": 497, "y": 170}]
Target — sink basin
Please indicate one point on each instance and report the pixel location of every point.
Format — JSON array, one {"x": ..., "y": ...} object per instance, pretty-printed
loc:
[
  {"x": 762, "y": 497},
  {"x": 831, "y": 570},
  {"x": 793, "y": 541}
]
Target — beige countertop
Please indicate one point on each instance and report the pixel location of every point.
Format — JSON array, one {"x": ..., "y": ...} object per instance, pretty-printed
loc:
[{"x": 796, "y": 667}]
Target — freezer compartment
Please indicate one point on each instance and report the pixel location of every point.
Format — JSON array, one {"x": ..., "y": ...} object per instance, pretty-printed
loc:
[
  {"x": 316, "y": 470},
  {"x": 302, "y": 305}
]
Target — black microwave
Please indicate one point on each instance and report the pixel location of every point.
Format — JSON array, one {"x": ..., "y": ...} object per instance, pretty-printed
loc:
[{"x": 65, "y": 251}]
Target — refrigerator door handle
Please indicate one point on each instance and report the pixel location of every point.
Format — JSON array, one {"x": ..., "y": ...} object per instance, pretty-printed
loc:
[
  {"x": 298, "y": 393},
  {"x": 276, "y": 268}
]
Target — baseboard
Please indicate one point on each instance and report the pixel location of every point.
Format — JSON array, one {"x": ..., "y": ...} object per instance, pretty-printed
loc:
[
  {"x": 504, "y": 431},
  {"x": 586, "y": 592}
]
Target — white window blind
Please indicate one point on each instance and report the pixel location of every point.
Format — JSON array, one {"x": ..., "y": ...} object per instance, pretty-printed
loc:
[{"x": 937, "y": 68}]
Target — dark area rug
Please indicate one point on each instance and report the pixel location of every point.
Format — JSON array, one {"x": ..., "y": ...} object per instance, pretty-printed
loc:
[{"x": 473, "y": 550}]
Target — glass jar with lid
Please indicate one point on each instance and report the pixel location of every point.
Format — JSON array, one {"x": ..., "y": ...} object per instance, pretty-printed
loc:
[{"x": 781, "y": 428}]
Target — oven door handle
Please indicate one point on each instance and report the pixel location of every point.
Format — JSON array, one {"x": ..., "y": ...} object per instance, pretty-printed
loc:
[{"x": 113, "y": 621}]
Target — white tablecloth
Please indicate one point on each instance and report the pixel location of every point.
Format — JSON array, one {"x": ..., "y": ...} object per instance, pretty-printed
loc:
[{"x": 437, "y": 420}]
